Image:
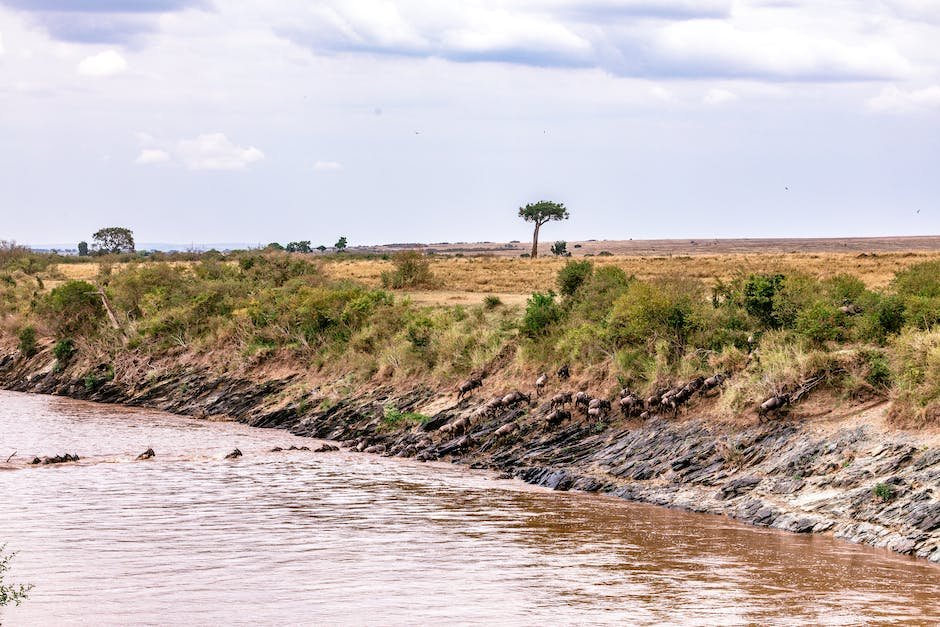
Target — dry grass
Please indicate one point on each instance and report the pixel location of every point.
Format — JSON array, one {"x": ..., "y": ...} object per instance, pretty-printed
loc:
[
  {"x": 467, "y": 280},
  {"x": 506, "y": 275}
]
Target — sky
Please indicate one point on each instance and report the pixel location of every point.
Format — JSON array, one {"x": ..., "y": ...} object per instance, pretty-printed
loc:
[{"x": 202, "y": 121}]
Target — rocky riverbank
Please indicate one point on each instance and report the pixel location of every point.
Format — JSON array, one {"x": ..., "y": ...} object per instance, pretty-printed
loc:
[{"x": 853, "y": 477}]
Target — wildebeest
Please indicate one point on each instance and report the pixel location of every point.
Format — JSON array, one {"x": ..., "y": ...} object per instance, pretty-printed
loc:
[
  {"x": 560, "y": 400},
  {"x": 455, "y": 427},
  {"x": 563, "y": 372},
  {"x": 557, "y": 416},
  {"x": 630, "y": 404},
  {"x": 234, "y": 454},
  {"x": 540, "y": 383},
  {"x": 468, "y": 386},
  {"x": 599, "y": 403},
  {"x": 146, "y": 454},
  {"x": 515, "y": 397},
  {"x": 582, "y": 400},
  {"x": 713, "y": 381},
  {"x": 492, "y": 406},
  {"x": 507, "y": 429},
  {"x": 772, "y": 404}
]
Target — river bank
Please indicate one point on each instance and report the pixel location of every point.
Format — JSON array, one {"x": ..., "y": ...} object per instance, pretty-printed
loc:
[{"x": 851, "y": 476}]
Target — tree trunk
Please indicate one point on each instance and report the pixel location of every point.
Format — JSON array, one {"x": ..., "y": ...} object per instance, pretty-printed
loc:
[{"x": 535, "y": 240}]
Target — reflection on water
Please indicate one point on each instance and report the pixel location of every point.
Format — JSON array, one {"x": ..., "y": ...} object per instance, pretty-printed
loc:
[{"x": 300, "y": 537}]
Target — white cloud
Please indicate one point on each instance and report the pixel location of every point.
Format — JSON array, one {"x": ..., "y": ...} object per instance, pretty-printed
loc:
[
  {"x": 717, "y": 96},
  {"x": 894, "y": 100},
  {"x": 1, "y": 44},
  {"x": 327, "y": 166},
  {"x": 107, "y": 63},
  {"x": 150, "y": 156},
  {"x": 214, "y": 151}
]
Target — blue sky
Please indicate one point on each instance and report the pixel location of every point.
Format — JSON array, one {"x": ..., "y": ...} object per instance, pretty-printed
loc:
[{"x": 220, "y": 121}]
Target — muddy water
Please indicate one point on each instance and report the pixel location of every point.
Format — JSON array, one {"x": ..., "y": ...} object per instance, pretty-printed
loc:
[{"x": 299, "y": 537}]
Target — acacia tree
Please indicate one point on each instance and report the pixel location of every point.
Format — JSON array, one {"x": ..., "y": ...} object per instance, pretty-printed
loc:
[
  {"x": 114, "y": 239},
  {"x": 340, "y": 244},
  {"x": 83, "y": 249},
  {"x": 541, "y": 212}
]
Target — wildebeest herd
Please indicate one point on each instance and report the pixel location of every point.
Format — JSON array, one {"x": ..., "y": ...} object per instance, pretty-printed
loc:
[{"x": 564, "y": 405}]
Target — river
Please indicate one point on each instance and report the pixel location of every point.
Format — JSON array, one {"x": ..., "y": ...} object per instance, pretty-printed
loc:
[{"x": 297, "y": 537}]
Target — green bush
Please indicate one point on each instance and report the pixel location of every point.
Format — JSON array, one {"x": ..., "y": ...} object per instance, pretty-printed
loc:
[
  {"x": 648, "y": 312},
  {"x": 922, "y": 279},
  {"x": 74, "y": 308},
  {"x": 573, "y": 275},
  {"x": 758, "y": 297},
  {"x": 883, "y": 492},
  {"x": 820, "y": 322},
  {"x": 63, "y": 350},
  {"x": 27, "y": 338},
  {"x": 491, "y": 301},
  {"x": 541, "y": 313},
  {"x": 10, "y": 593},
  {"x": 412, "y": 269}
]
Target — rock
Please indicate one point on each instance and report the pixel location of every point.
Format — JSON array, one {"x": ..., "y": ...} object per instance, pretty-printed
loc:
[{"x": 737, "y": 487}]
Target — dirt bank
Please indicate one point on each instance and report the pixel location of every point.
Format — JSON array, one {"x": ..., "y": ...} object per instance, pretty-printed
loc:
[{"x": 851, "y": 476}]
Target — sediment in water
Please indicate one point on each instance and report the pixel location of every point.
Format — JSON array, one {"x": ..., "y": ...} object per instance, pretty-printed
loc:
[{"x": 855, "y": 481}]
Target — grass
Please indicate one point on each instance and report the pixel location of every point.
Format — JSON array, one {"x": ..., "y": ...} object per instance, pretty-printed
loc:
[{"x": 393, "y": 418}]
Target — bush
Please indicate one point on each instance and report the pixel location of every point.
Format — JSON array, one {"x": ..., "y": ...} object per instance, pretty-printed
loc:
[
  {"x": 648, "y": 312},
  {"x": 922, "y": 279},
  {"x": 560, "y": 249},
  {"x": 27, "y": 338},
  {"x": 10, "y": 593},
  {"x": 916, "y": 368},
  {"x": 74, "y": 308},
  {"x": 758, "y": 297},
  {"x": 63, "y": 350},
  {"x": 541, "y": 313},
  {"x": 392, "y": 417},
  {"x": 883, "y": 492},
  {"x": 412, "y": 269},
  {"x": 573, "y": 275},
  {"x": 820, "y": 322},
  {"x": 491, "y": 301}
]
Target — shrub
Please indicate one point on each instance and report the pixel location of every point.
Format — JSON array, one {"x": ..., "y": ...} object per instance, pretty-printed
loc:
[
  {"x": 491, "y": 301},
  {"x": 915, "y": 365},
  {"x": 27, "y": 338},
  {"x": 560, "y": 249},
  {"x": 412, "y": 269},
  {"x": 573, "y": 275},
  {"x": 883, "y": 492},
  {"x": 820, "y": 322},
  {"x": 541, "y": 313},
  {"x": 647, "y": 312},
  {"x": 393, "y": 417},
  {"x": 63, "y": 350},
  {"x": 758, "y": 297},
  {"x": 922, "y": 279},
  {"x": 10, "y": 593},
  {"x": 75, "y": 308}
]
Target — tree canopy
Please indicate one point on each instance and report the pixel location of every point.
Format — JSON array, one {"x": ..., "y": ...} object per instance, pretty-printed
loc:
[
  {"x": 114, "y": 240},
  {"x": 539, "y": 213}
]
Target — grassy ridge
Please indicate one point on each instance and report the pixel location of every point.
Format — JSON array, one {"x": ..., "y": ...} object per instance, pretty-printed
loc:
[{"x": 769, "y": 327}]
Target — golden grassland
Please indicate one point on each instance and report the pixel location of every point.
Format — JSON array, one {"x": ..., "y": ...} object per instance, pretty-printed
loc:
[{"x": 467, "y": 280}]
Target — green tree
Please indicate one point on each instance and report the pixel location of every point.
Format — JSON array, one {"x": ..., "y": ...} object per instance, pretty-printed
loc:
[
  {"x": 274, "y": 246},
  {"x": 114, "y": 240},
  {"x": 10, "y": 593},
  {"x": 83, "y": 249},
  {"x": 321, "y": 248},
  {"x": 302, "y": 246},
  {"x": 340, "y": 245},
  {"x": 539, "y": 213},
  {"x": 560, "y": 249}
]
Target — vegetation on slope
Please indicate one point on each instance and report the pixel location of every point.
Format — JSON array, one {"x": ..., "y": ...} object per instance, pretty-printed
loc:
[{"x": 770, "y": 331}]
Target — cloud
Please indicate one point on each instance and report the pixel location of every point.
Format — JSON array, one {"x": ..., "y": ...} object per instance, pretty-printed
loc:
[
  {"x": 894, "y": 100},
  {"x": 327, "y": 166},
  {"x": 674, "y": 39},
  {"x": 107, "y": 63},
  {"x": 214, "y": 151},
  {"x": 149, "y": 156},
  {"x": 1, "y": 45},
  {"x": 100, "y": 21},
  {"x": 716, "y": 97}
]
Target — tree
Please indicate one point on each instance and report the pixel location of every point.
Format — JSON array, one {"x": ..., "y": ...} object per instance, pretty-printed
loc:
[
  {"x": 83, "y": 249},
  {"x": 560, "y": 249},
  {"x": 274, "y": 246},
  {"x": 10, "y": 593},
  {"x": 340, "y": 245},
  {"x": 114, "y": 239},
  {"x": 302, "y": 246},
  {"x": 540, "y": 213},
  {"x": 321, "y": 248}
]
